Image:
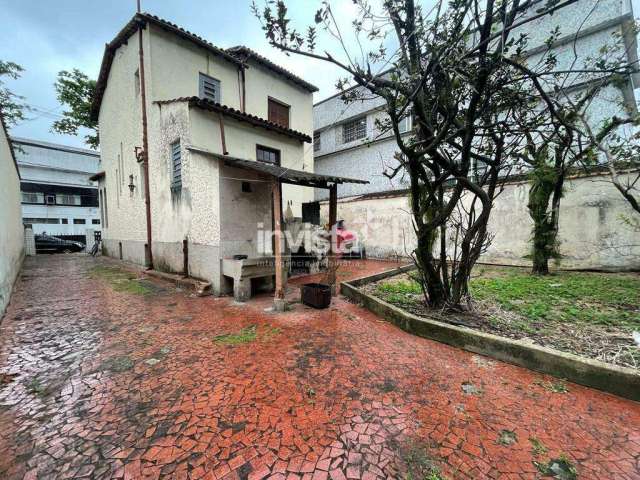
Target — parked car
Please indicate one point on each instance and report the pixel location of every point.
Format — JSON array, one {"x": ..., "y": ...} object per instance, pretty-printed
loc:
[{"x": 49, "y": 244}]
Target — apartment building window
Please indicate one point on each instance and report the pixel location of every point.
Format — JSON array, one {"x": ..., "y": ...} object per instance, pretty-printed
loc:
[
  {"x": 50, "y": 199},
  {"x": 95, "y": 221},
  {"x": 209, "y": 88},
  {"x": 405, "y": 124},
  {"x": 29, "y": 197},
  {"x": 278, "y": 113},
  {"x": 79, "y": 221},
  {"x": 65, "y": 221},
  {"x": 48, "y": 221},
  {"x": 64, "y": 199},
  {"x": 316, "y": 141},
  {"x": 354, "y": 130},
  {"x": 176, "y": 166},
  {"x": 267, "y": 155}
]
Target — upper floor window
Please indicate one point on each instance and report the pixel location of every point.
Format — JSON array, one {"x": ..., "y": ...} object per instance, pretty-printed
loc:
[
  {"x": 278, "y": 113},
  {"x": 354, "y": 130},
  {"x": 176, "y": 166},
  {"x": 209, "y": 88},
  {"x": 267, "y": 155},
  {"x": 63, "y": 199},
  {"x": 29, "y": 197},
  {"x": 316, "y": 141},
  {"x": 404, "y": 125}
]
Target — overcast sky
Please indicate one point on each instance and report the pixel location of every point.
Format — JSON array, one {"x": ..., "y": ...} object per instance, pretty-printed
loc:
[{"x": 46, "y": 36}]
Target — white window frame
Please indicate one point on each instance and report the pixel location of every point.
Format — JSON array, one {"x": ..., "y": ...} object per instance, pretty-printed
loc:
[
  {"x": 39, "y": 197},
  {"x": 359, "y": 129},
  {"x": 405, "y": 125}
]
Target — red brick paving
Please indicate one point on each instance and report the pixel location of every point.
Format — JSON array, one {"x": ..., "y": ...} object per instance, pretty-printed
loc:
[{"x": 330, "y": 394}]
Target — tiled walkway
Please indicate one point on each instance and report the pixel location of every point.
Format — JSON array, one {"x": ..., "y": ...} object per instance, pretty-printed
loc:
[{"x": 98, "y": 383}]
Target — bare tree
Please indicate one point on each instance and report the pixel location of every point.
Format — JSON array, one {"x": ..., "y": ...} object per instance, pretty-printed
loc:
[{"x": 460, "y": 71}]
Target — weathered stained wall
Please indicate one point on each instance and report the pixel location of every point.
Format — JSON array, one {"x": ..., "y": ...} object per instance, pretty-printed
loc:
[
  {"x": 172, "y": 66},
  {"x": 11, "y": 230},
  {"x": 593, "y": 234}
]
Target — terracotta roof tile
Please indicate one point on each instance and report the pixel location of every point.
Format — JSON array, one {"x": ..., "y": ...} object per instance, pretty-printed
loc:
[
  {"x": 244, "y": 53},
  {"x": 238, "y": 115}
]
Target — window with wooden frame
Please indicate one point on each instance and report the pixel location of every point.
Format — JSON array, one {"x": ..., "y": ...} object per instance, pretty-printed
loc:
[
  {"x": 354, "y": 130},
  {"x": 176, "y": 166},
  {"x": 209, "y": 88},
  {"x": 267, "y": 155},
  {"x": 278, "y": 113}
]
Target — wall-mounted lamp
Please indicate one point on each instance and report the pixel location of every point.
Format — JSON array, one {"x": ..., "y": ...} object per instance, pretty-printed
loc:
[{"x": 131, "y": 185}]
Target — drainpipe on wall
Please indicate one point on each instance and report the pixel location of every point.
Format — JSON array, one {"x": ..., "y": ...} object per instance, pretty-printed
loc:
[
  {"x": 145, "y": 144},
  {"x": 244, "y": 90}
]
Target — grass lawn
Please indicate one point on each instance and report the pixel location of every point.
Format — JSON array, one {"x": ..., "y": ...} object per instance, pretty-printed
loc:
[
  {"x": 122, "y": 280},
  {"x": 591, "y": 314}
]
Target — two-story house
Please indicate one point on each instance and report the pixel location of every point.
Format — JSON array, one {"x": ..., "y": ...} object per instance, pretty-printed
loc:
[{"x": 204, "y": 107}]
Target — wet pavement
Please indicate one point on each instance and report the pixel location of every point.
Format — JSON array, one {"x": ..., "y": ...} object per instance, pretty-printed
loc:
[{"x": 100, "y": 378}]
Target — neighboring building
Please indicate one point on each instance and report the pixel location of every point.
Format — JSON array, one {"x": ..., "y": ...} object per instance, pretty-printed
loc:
[
  {"x": 204, "y": 105},
  {"x": 345, "y": 138},
  {"x": 57, "y": 196},
  {"x": 11, "y": 230},
  {"x": 346, "y": 143}
]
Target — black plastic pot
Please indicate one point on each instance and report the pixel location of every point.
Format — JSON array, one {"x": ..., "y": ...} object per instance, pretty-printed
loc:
[{"x": 316, "y": 295}]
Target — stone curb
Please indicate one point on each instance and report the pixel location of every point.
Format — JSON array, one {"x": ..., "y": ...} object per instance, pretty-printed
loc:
[
  {"x": 200, "y": 288},
  {"x": 621, "y": 381}
]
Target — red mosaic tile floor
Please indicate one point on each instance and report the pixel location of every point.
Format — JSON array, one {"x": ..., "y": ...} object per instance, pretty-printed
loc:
[{"x": 100, "y": 384}]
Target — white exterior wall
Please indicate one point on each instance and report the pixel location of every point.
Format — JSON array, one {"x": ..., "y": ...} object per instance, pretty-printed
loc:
[
  {"x": 120, "y": 132},
  {"x": 592, "y": 234},
  {"x": 11, "y": 231}
]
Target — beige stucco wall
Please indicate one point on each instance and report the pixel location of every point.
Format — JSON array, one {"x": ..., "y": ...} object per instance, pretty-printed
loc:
[
  {"x": 592, "y": 232},
  {"x": 11, "y": 230},
  {"x": 120, "y": 132}
]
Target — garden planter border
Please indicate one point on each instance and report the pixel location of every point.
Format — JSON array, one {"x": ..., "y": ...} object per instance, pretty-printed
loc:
[{"x": 621, "y": 381}]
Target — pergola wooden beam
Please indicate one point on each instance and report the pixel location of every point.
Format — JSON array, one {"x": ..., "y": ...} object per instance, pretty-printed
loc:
[
  {"x": 333, "y": 214},
  {"x": 279, "y": 302}
]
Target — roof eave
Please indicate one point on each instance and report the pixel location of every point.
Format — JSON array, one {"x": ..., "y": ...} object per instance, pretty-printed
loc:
[
  {"x": 240, "y": 116},
  {"x": 140, "y": 20}
]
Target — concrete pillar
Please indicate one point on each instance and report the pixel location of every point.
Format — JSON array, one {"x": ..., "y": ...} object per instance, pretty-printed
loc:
[
  {"x": 29, "y": 241},
  {"x": 241, "y": 289}
]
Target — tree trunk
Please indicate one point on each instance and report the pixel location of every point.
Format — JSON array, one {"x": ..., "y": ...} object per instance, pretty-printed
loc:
[{"x": 546, "y": 187}]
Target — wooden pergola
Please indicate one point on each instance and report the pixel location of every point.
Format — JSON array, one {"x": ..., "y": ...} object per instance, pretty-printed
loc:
[{"x": 280, "y": 175}]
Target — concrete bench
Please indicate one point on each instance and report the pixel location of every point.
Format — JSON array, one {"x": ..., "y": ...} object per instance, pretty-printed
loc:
[{"x": 243, "y": 271}]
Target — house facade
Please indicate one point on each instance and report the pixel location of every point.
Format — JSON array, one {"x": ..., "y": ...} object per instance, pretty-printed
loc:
[
  {"x": 11, "y": 230},
  {"x": 203, "y": 104},
  {"x": 57, "y": 196},
  {"x": 346, "y": 141}
]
